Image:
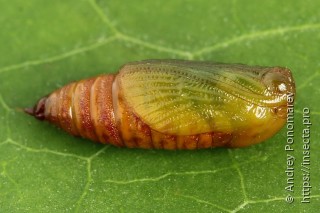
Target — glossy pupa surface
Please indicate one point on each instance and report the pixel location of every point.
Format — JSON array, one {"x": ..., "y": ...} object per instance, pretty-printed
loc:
[{"x": 173, "y": 104}]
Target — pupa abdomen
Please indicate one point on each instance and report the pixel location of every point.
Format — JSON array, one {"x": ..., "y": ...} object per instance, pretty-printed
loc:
[{"x": 173, "y": 104}]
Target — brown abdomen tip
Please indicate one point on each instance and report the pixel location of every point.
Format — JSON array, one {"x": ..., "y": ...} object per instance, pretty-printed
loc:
[{"x": 38, "y": 110}]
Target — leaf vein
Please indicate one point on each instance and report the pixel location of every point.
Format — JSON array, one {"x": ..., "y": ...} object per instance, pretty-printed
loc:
[
  {"x": 60, "y": 56},
  {"x": 204, "y": 202},
  {"x": 256, "y": 35},
  {"x": 29, "y": 149}
]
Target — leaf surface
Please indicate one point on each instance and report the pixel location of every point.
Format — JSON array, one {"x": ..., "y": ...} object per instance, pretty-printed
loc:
[{"x": 46, "y": 44}]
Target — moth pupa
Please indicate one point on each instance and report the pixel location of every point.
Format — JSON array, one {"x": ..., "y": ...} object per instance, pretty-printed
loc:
[{"x": 173, "y": 104}]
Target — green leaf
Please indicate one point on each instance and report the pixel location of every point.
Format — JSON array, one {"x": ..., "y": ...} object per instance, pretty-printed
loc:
[{"x": 46, "y": 44}]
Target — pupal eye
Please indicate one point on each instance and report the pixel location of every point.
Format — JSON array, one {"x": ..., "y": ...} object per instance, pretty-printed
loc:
[
  {"x": 278, "y": 81},
  {"x": 282, "y": 87},
  {"x": 278, "y": 87}
]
